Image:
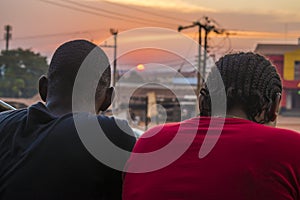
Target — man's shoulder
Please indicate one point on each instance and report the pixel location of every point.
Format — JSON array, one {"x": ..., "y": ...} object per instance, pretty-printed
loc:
[
  {"x": 112, "y": 119},
  {"x": 12, "y": 115},
  {"x": 113, "y": 122},
  {"x": 118, "y": 131}
]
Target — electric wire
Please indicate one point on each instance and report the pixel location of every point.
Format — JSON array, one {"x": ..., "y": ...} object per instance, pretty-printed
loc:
[
  {"x": 116, "y": 13},
  {"x": 146, "y": 11}
]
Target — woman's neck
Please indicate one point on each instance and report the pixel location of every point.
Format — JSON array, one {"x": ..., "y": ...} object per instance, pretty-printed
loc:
[{"x": 236, "y": 113}]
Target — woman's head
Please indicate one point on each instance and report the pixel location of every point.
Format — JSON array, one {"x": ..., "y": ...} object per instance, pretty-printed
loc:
[{"x": 251, "y": 83}]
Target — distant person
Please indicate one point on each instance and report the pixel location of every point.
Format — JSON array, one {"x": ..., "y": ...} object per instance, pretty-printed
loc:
[
  {"x": 250, "y": 160},
  {"x": 41, "y": 154}
]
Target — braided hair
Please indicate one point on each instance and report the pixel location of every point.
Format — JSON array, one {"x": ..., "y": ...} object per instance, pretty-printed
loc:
[{"x": 250, "y": 81}]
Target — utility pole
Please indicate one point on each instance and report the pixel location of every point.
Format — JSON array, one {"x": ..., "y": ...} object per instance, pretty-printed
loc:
[
  {"x": 7, "y": 35},
  {"x": 200, "y": 26},
  {"x": 207, "y": 27},
  {"x": 114, "y": 32}
]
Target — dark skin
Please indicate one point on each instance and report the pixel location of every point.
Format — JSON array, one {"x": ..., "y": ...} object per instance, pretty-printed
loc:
[
  {"x": 59, "y": 105},
  {"x": 238, "y": 112}
]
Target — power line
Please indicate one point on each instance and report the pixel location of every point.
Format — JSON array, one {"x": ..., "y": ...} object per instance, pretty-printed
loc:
[
  {"x": 87, "y": 11},
  {"x": 93, "y": 13},
  {"x": 115, "y": 13},
  {"x": 56, "y": 34},
  {"x": 146, "y": 11}
]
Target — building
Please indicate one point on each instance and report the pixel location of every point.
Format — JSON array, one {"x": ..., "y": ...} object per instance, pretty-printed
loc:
[
  {"x": 286, "y": 58},
  {"x": 156, "y": 96}
]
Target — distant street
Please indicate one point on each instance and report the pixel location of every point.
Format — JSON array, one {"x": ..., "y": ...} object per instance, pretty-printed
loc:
[{"x": 292, "y": 123}]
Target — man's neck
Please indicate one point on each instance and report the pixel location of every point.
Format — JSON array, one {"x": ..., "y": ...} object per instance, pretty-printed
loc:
[{"x": 59, "y": 108}]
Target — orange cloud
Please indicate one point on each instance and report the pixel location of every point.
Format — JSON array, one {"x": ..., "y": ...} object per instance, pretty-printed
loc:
[{"x": 178, "y": 5}]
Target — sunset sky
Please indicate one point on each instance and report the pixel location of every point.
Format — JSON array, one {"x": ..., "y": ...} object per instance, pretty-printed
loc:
[{"x": 44, "y": 24}]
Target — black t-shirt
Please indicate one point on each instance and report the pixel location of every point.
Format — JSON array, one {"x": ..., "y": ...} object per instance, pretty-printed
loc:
[{"x": 42, "y": 157}]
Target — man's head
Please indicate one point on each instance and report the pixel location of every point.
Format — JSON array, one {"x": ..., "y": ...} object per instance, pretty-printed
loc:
[
  {"x": 252, "y": 85},
  {"x": 57, "y": 87}
]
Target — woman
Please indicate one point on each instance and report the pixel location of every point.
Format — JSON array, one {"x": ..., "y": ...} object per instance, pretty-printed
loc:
[{"x": 249, "y": 160}]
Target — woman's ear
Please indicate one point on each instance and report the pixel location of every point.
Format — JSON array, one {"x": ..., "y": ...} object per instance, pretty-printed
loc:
[
  {"x": 109, "y": 95},
  {"x": 274, "y": 110},
  {"x": 270, "y": 116},
  {"x": 43, "y": 87},
  {"x": 200, "y": 102},
  {"x": 203, "y": 104}
]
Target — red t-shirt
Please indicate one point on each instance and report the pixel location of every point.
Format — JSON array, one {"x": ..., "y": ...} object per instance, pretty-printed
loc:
[{"x": 249, "y": 161}]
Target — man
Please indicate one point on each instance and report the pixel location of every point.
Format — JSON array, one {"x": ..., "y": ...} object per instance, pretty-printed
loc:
[
  {"x": 41, "y": 154},
  {"x": 250, "y": 160}
]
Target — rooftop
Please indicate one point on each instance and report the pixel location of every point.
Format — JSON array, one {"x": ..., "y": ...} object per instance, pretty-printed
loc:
[{"x": 275, "y": 49}]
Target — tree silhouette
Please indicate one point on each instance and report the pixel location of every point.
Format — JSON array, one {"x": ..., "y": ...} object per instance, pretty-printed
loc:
[{"x": 19, "y": 72}]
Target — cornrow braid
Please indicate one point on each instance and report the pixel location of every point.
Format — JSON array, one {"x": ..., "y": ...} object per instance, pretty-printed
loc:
[
  {"x": 250, "y": 80},
  {"x": 249, "y": 76}
]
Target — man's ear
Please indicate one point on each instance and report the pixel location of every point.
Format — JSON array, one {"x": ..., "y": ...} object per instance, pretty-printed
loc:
[
  {"x": 43, "y": 87},
  {"x": 108, "y": 99}
]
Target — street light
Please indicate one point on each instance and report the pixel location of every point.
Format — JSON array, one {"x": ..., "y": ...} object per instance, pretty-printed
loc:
[{"x": 114, "y": 32}]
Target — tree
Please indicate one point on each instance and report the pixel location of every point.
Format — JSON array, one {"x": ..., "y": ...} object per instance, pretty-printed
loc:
[{"x": 19, "y": 72}]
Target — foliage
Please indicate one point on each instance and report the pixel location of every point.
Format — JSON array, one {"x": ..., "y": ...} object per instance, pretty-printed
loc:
[{"x": 19, "y": 72}]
